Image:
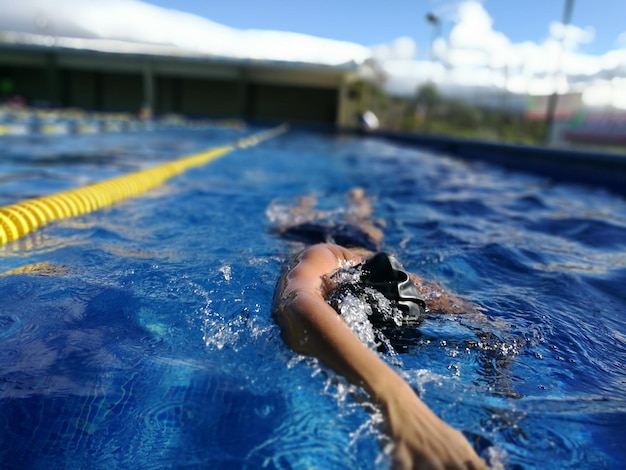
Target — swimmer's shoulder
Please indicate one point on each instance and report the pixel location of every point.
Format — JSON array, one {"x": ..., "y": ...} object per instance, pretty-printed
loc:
[
  {"x": 312, "y": 264},
  {"x": 330, "y": 256}
]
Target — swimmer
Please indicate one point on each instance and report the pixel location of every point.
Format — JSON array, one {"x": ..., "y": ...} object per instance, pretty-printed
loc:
[{"x": 310, "y": 325}]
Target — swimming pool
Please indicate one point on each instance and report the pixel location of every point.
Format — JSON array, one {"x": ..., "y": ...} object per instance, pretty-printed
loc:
[{"x": 140, "y": 335}]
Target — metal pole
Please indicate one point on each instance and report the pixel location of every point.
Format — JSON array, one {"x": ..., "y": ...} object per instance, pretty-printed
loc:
[
  {"x": 147, "y": 108},
  {"x": 553, "y": 99},
  {"x": 436, "y": 22}
]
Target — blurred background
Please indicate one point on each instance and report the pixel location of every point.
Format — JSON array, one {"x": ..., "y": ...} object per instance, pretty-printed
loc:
[{"x": 534, "y": 72}]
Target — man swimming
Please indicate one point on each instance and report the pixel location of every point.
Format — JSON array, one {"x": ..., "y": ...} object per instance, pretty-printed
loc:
[{"x": 311, "y": 326}]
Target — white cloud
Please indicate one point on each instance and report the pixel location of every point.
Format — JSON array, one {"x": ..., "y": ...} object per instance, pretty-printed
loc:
[
  {"x": 403, "y": 48},
  {"x": 473, "y": 29},
  {"x": 403, "y": 76},
  {"x": 571, "y": 35},
  {"x": 477, "y": 55},
  {"x": 136, "y": 21},
  {"x": 604, "y": 93}
]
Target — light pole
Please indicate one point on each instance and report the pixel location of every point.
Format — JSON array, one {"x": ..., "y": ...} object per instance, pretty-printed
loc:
[
  {"x": 553, "y": 99},
  {"x": 436, "y": 23}
]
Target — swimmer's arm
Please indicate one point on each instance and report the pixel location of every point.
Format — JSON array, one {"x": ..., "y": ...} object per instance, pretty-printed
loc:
[
  {"x": 439, "y": 300},
  {"x": 422, "y": 440},
  {"x": 310, "y": 326}
]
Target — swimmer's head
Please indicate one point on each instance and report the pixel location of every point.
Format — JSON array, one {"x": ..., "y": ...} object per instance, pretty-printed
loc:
[
  {"x": 386, "y": 275},
  {"x": 385, "y": 287}
]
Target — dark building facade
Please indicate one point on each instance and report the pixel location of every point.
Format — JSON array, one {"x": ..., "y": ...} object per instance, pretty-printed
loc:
[{"x": 190, "y": 86}]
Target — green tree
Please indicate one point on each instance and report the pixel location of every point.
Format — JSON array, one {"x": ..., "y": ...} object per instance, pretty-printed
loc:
[{"x": 427, "y": 100}]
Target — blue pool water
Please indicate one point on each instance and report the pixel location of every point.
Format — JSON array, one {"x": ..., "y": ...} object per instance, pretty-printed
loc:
[{"x": 140, "y": 336}]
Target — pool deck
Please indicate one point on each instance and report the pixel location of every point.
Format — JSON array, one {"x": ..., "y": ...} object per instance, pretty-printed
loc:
[{"x": 595, "y": 168}]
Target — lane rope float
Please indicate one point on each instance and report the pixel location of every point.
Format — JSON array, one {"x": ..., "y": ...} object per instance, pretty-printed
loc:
[{"x": 22, "y": 218}]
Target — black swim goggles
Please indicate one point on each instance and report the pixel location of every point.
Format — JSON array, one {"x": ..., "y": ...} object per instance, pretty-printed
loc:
[{"x": 385, "y": 274}]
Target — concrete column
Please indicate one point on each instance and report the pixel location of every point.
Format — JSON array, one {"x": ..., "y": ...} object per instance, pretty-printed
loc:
[
  {"x": 343, "y": 107},
  {"x": 242, "y": 94},
  {"x": 53, "y": 79},
  {"x": 149, "y": 85}
]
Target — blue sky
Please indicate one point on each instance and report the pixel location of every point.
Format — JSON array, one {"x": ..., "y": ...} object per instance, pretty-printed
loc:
[{"x": 370, "y": 23}]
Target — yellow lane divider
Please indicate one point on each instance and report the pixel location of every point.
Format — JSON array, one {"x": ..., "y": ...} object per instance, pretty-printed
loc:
[{"x": 19, "y": 219}]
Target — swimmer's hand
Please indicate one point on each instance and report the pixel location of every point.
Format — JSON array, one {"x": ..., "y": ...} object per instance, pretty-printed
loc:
[{"x": 422, "y": 440}]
